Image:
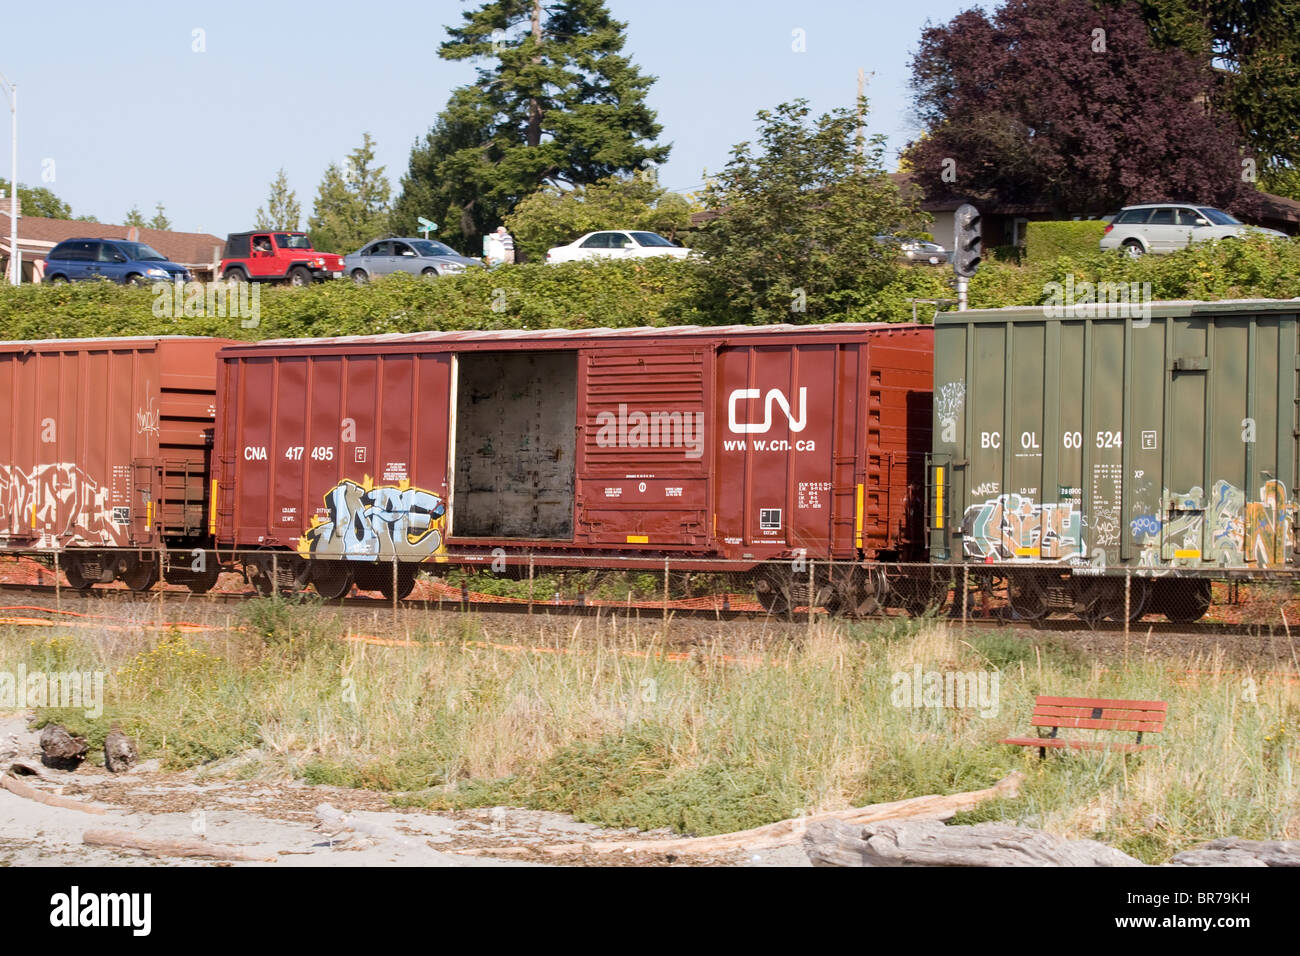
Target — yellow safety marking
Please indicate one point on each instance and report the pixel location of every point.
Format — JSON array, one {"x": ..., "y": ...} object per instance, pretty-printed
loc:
[
  {"x": 33, "y": 514},
  {"x": 938, "y": 497},
  {"x": 1187, "y": 553},
  {"x": 148, "y": 515},
  {"x": 212, "y": 508},
  {"x": 858, "y": 520},
  {"x": 638, "y": 539},
  {"x": 1026, "y": 552}
]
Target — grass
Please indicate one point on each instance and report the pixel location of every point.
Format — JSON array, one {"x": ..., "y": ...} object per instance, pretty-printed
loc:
[{"x": 596, "y": 723}]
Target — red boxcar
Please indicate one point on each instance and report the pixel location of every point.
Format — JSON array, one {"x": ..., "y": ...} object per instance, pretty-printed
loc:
[
  {"x": 106, "y": 446},
  {"x": 702, "y": 444}
]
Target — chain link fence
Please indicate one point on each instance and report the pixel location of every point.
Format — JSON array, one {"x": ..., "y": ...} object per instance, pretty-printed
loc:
[{"x": 794, "y": 588}]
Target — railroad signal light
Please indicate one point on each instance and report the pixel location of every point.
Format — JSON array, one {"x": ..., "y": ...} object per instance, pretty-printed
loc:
[{"x": 966, "y": 241}]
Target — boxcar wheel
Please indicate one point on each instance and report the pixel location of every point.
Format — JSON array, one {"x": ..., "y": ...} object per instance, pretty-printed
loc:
[
  {"x": 1138, "y": 596},
  {"x": 773, "y": 591},
  {"x": 141, "y": 577},
  {"x": 76, "y": 580},
  {"x": 405, "y": 583},
  {"x": 331, "y": 579},
  {"x": 1187, "y": 601},
  {"x": 1027, "y": 598}
]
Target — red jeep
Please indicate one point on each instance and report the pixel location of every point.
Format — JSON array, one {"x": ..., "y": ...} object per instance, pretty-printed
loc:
[{"x": 276, "y": 257}]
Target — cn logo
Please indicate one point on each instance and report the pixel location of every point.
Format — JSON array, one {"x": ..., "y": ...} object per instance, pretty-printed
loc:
[{"x": 774, "y": 397}]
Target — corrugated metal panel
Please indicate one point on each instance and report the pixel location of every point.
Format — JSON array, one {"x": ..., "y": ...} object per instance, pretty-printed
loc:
[
  {"x": 1167, "y": 439},
  {"x": 96, "y": 451},
  {"x": 643, "y": 471},
  {"x": 333, "y": 455},
  {"x": 811, "y": 397}
]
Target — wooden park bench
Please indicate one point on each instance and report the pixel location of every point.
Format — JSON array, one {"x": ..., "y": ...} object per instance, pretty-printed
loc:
[{"x": 1092, "y": 713}]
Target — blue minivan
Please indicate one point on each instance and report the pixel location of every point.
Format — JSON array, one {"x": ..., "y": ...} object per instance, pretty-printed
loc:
[{"x": 119, "y": 260}]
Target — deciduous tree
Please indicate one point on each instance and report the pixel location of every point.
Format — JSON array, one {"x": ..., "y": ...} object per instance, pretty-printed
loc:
[
  {"x": 1065, "y": 104},
  {"x": 38, "y": 201},
  {"x": 797, "y": 217}
]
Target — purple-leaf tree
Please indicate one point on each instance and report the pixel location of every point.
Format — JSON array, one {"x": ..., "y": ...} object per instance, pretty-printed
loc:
[{"x": 1058, "y": 103}]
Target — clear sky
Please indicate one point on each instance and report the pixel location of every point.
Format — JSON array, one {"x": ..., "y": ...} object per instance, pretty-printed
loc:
[{"x": 115, "y": 103}]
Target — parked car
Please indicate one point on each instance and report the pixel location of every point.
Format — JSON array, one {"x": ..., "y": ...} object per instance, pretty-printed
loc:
[
  {"x": 120, "y": 260},
  {"x": 271, "y": 256},
  {"x": 917, "y": 250},
  {"x": 1168, "y": 227},
  {"x": 619, "y": 244},
  {"x": 420, "y": 257}
]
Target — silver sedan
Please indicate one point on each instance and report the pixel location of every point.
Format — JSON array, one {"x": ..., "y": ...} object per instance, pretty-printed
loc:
[{"x": 421, "y": 257}]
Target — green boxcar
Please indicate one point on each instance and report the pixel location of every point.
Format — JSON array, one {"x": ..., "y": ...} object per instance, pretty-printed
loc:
[{"x": 1160, "y": 437}]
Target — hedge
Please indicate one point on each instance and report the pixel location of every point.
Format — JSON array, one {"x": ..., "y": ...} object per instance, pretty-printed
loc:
[
  {"x": 1045, "y": 241},
  {"x": 621, "y": 294}
]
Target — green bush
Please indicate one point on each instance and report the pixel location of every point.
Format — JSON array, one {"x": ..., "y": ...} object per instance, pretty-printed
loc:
[
  {"x": 656, "y": 292},
  {"x": 1045, "y": 241}
]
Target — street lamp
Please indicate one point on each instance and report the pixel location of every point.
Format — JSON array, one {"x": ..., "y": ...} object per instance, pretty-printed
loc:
[{"x": 11, "y": 90}]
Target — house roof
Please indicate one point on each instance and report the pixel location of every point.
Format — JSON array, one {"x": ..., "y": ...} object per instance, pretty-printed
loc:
[{"x": 39, "y": 235}]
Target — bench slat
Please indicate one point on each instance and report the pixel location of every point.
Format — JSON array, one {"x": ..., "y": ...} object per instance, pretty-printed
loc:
[
  {"x": 1087, "y": 723},
  {"x": 1087, "y": 711},
  {"x": 1103, "y": 702},
  {"x": 1099, "y": 714},
  {"x": 1093, "y": 713}
]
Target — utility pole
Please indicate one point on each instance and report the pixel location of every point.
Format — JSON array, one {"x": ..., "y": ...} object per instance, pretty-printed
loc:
[{"x": 15, "y": 258}]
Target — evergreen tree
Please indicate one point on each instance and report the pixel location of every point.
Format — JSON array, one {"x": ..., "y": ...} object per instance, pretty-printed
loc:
[
  {"x": 352, "y": 206},
  {"x": 160, "y": 220},
  {"x": 282, "y": 210},
  {"x": 135, "y": 218},
  {"x": 560, "y": 104}
]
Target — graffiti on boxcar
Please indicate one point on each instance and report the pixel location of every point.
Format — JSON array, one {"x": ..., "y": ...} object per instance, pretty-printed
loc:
[
  {"x": 59, "y": 503},
  {"x": 369, "y": 522},
  {"x": 1239, "y": 531},
  {"x": 1014, "y": 526},
  {"x": 1268, "y": 526},
  {"x": 146, "y": 419},
  {"x": 949, "y": 399}
]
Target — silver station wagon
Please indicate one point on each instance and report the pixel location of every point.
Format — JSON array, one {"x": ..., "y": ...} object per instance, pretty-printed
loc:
[{"x": 1168, "y": 227}]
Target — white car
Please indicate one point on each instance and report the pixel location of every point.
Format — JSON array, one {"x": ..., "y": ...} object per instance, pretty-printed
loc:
[
  {"x": 629, "y": 244},
  {"x": 1168, "y": 227}
]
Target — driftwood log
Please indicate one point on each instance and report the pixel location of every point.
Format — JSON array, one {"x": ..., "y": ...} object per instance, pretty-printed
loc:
[
  {"x": 931, "y": 843},
  {"x": 785, "y": 832},
  {"x": 18, "y": 788},
  {"x": 120, "y": 751},
  {"x": 61, "y": 750},
  {"x": 126, "y": 840},
  {"x": 1234, "y": 851},
  {"x": 337, "y": 824}
]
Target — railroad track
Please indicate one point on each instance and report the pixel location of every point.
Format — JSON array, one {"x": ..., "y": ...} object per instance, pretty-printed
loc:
[{"x": 48, "y": 592}]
